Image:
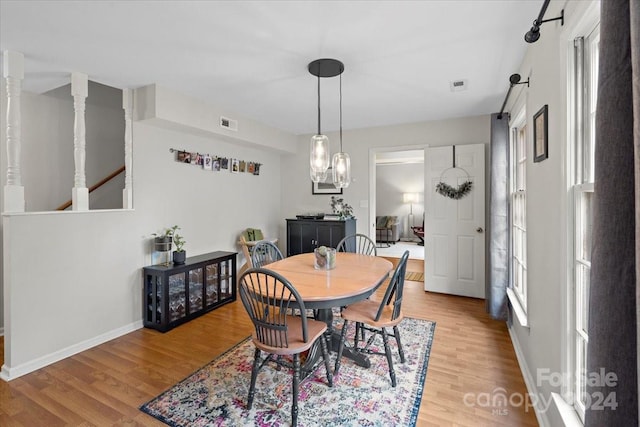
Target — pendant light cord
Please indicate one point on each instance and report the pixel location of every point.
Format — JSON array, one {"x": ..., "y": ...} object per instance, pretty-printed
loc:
[
  {"x": 341, "y": 112},
  {"x": 319, "y": 133}
]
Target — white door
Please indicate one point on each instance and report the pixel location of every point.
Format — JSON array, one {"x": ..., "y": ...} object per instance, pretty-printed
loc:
[{"x": 454, "y": 229}]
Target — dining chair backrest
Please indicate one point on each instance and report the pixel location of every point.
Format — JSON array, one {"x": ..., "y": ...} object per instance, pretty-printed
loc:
[
  {"x": 267, "y": 297},
  {"x": 393, "y": 294},
  {"x": 358, "y": 243},
  {"x": 264, "y": 252}
]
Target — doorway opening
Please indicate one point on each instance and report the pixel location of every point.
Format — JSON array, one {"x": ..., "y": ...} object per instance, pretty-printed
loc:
[{"x": 396, "y": 199}]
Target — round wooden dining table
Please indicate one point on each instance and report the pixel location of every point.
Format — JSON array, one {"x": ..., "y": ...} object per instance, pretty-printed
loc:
[{"x": 355, "y": 277}]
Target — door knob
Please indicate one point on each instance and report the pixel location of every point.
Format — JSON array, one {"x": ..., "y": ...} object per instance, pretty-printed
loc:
[{"x": 479, "y": 230}]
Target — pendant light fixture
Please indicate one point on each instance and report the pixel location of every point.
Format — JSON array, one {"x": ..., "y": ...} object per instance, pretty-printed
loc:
[
  {"x": 319, "y": 152},
  {"x": 341, "y": 163}
]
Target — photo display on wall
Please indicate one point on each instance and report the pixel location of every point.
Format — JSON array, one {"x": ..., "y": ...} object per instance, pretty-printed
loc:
[{"x": 211, "y": 162}]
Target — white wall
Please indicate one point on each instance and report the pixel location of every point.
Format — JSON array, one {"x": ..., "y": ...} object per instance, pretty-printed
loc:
[
  {"x": 66, "y": 285},
  {"x": 73, "y": 279},
  {"x": 212, "y": 208},
  {"x": 47, "y": 164},
  {"x": 541, "y": 345}
]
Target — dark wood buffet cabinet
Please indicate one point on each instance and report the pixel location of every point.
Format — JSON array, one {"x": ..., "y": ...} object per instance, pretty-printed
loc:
[
  {"x": 177, "y": 293},
  {"x": 304, "y": 235}
]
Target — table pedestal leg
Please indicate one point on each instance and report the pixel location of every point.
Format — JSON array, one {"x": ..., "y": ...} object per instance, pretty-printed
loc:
[{"x": 333, "y": 339}]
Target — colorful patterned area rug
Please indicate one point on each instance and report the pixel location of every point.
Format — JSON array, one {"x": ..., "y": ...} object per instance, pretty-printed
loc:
[{"x": 216, "y": 394}]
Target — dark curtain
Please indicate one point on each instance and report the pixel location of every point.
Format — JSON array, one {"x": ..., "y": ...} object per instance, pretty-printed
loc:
[
  {"x": 613, "y": 322},
  {"x": 498, "y": 232}
]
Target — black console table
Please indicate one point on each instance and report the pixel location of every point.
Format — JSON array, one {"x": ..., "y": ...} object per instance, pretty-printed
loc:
[
  {"x": 304, "y": 235},
  {"x": 177, "y": 293}
]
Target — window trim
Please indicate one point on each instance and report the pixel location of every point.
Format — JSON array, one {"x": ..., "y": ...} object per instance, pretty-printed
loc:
[
  {"x": 521, "y": 315},
  {"x": 581, "y": 27},
  {"x": 516, "y": 124}
]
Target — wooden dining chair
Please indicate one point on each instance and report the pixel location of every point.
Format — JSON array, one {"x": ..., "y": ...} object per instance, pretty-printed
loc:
[
  {"x": 358, "y": 243},
  {"x": 267, "y": 297},
  {"x": 264, "y": 252},
  {"x": 376, "y": 316}
]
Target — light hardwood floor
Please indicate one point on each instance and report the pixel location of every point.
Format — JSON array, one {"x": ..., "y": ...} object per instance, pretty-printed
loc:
[{"x": 103, "y": 386}]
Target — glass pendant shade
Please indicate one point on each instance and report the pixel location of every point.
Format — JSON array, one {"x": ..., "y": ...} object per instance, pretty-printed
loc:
[
  {"x": 341, "y": 165},
  {"x": 319, "y": 157},
  {"x": 318, "y": 176}
]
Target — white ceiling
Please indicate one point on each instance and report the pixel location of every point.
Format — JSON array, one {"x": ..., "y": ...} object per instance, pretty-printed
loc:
[{"x": 250, "y": 57}]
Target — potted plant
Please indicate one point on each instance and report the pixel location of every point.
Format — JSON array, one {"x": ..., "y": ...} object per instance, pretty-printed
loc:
[
  {"x": 163, "y": 242},
  {"x": 340, "y": 208},
  {"x": 179, "y": 255}
]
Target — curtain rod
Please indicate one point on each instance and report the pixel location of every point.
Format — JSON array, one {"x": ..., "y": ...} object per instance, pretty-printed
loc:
[{"x": 514, "y": 79}]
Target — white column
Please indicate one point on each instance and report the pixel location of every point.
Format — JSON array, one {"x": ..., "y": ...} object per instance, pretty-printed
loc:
[
  {"x": 80, "y": 193},
  {"x": 127, "y": 105},
  {"x": 14, "y": 74}
]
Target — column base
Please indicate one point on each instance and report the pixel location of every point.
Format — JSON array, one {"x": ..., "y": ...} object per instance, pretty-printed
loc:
[
  {"x": 127, "y": 199},
  {"x": 80, "y": 199},
  {"x": 14, "y": 198}
]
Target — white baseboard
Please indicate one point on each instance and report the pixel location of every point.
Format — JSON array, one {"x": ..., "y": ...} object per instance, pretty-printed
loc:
[
  {"x": 541, "y": 415},
  {"x": 10, "y": 373},
  {"x": 1, "y": 332}
]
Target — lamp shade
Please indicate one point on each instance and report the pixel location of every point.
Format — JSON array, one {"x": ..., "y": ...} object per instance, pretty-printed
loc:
[
  {"x": 319, "y": 157},
  {"x": 410, "y": 197},
  {"x": 341, "y": 166}
]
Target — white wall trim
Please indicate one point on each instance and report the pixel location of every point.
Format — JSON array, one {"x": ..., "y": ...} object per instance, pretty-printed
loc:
[
  {"x": 8, "y": 374},
  {"x": 541, "y": 415}
]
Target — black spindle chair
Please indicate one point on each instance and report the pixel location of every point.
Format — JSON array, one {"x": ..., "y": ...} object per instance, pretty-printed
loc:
[
  {"x": 264, "y": 252},
  {"x": 376, "y": 316},
  {"x": 358, "y": 243},
  {"x": 267, "y": 297}
]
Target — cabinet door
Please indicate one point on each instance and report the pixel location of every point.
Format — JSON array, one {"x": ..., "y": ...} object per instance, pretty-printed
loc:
[
  {"x": 327, "y": 233},
  {"x": 309, "y": 237},
  {"x": 196, "y": 284},
  {"x": 294, "y": 238},
  {"x": 177, "y": 296},
  {"x": 212, "y": 284},
  {"x": 153, "y": 299},
  {"x": 226, "y": 282},
  {"x": 302, "y": 237}
]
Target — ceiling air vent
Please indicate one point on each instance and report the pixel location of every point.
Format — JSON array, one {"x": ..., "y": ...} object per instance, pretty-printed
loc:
[
  {"x": 228, "y": 124},
  {"x": 458, "y": 85}
]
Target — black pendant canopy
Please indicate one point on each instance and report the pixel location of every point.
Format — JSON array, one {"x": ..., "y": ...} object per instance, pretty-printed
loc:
[{"x": 326, "y": 67}]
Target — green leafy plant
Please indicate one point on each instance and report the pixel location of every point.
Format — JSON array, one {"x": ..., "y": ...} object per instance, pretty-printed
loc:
[
  {"x": 454, "y": 193},
  {"x": 179, "y": 241},
  {"x": 177, "y": 238},
  {"x": 172, "y": 232},
  {"x": 341, "y": 208}
]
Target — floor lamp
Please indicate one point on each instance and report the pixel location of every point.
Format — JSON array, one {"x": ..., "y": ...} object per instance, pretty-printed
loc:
[{"x": 410, "y": 198}]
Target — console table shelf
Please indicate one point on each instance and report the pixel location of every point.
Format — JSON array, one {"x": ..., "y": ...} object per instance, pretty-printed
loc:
[{"x": 177, "y": 293}]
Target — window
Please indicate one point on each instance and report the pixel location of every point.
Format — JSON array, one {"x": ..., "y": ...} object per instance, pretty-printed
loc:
[
  {"x": 518, "y": 219},
  {"x": 584, "y": 122}
]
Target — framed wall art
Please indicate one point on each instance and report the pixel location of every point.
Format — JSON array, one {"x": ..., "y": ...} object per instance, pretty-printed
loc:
[
  {"x": 325, "y": 187},
  {"x": 541, "y": 135}
]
